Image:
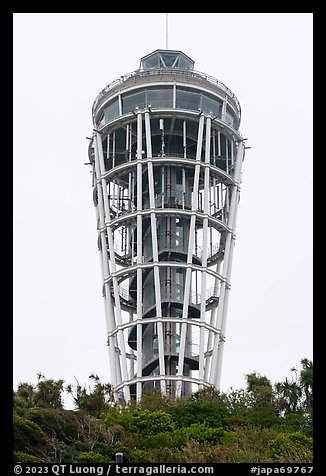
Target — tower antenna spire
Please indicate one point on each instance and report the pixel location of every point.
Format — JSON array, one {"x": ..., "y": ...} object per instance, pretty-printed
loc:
[{"x": 166, "y": 28}]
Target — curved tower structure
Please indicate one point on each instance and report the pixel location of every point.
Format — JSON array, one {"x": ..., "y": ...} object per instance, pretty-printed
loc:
[{"x": 166, "y": 154}]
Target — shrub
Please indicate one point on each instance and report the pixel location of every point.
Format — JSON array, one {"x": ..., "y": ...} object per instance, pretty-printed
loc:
[
  {"x": 69, "y": 426},
  {"x": 26, "y": 434},
  {"x": 201, "y": 432},
  {"x": 115, "y": 417},
  {"x": 197, "y": 411},
  {"x": 139, "y": 456},
  {"x": 21, "y": 457},
  {"x": 148, "y": 423},
  {"x": 63, "y": 424},
  {"x": 295, "y": 447},
  {"x": 167, "y": 439},
  {"x": 295, "y": 421},
  {"x": 153, "y": 400}
]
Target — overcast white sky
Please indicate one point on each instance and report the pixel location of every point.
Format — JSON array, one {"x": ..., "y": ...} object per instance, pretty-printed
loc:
[{"x": 61, "y": 62}]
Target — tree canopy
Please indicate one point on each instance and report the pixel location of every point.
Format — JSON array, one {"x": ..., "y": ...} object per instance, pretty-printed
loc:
[{"x": 264, "y": 422}]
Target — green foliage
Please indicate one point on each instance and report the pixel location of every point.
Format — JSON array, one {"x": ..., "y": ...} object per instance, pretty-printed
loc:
[
  {"x": 306, "y": 382},
  {"x": 208, "y": 394},
  {"x": 92, "y": 401},
  {"x": 138, "y": 421},
  {"x": 26, "y": 392},
  {"x": 246, "y": 445},
  {"x": 295, "y": 421},
  {"x": 251, "y": 444},
  {"x": 26, "y": 434},
  {"x": 21, "y": 457},
  {"x": 148, "y": 423},
  {"x": 255, "y": 381},
  {"x": 238, "y": 405},
  {"x": 252, "y": 408},
  {"x": 295, "y": 447},
  {"x": 61, "y": 424},
  {"x": 201, "y": 432},
  {"x": 69, "y": 426},
  {"x": 297, "y": 394},
  {"x": 140, "y": 456},
  {"x": 153, "y": 400},
  {"x": 262, "y": 414},
  {"x": 114, "y": 416},
  {"x": 261, "y": 423},
  {"x": 47, "y": 393},
  {"x": 174, "y": 439},
  {"x": 23, "y": 398},
  {"x": 192, "y": 411},
  {"x": 92, "y": 457},
  {"x": 261, "y": 410},
  {"x": 70, "y": 453},
  {"x": 289, "y": 396}
]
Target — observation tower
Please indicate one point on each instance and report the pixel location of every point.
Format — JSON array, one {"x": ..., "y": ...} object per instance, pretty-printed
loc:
[{"x": 166, "y": 156}]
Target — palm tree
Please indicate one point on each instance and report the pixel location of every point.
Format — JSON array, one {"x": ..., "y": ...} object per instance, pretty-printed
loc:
[
  {"x": 306, "y": 381},
  {"x": 92, "y": 401},
  {"x": 49, "y": 392},
  {"x": 289, "y": 395},
  {"x": 26, "y": 392}
]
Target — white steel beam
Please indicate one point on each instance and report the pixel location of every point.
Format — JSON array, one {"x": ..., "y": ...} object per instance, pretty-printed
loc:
[
  {"x": 105, "y": 207},
  {"x": 157, "y": 285},
  {"x": 187, "y": 286},
  {"x": 213, "y": 325},
  {"x": 204, "y": 255},
  {"x": 139, "y": 258},
  {"x": 221, "y": 316},
  {"x": 109, "y": 309}
]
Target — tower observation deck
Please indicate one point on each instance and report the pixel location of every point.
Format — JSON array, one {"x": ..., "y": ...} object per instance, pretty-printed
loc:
[{"x": 166, "y": 155}]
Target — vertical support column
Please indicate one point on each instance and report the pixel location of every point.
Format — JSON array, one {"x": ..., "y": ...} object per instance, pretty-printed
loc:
[
  {"x": 139, "y": 257},
  {"x": 189, "y": 257},
  {"x": 184, "y": 141},
  {"x": 213, "y": 324},
  {"x": 121, "y": 340},
  {"x": 222, "y": 308},
  {"x": 155, "y": 251},
  {"x": 232, "y": 157},
  {"x": 183, "y": 188},
  {"x": 109, "y": 310},
  {"x": 113, "y": 149},
  {"x": 204, "y": 255}
]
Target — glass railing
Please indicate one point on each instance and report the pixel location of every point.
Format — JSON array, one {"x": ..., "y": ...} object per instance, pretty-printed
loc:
[{"x": 166, "y": 71}]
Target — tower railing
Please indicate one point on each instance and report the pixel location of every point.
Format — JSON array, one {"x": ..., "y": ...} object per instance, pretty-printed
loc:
[
  {"x": 111, "y": 163},
  {"x": 212, "y": 250},
  {"x": 176, "y": 294},
  {"x": 163, "y": 72}
]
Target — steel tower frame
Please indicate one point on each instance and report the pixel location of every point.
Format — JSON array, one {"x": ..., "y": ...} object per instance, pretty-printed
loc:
[{"x": 166, "y": 156}]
